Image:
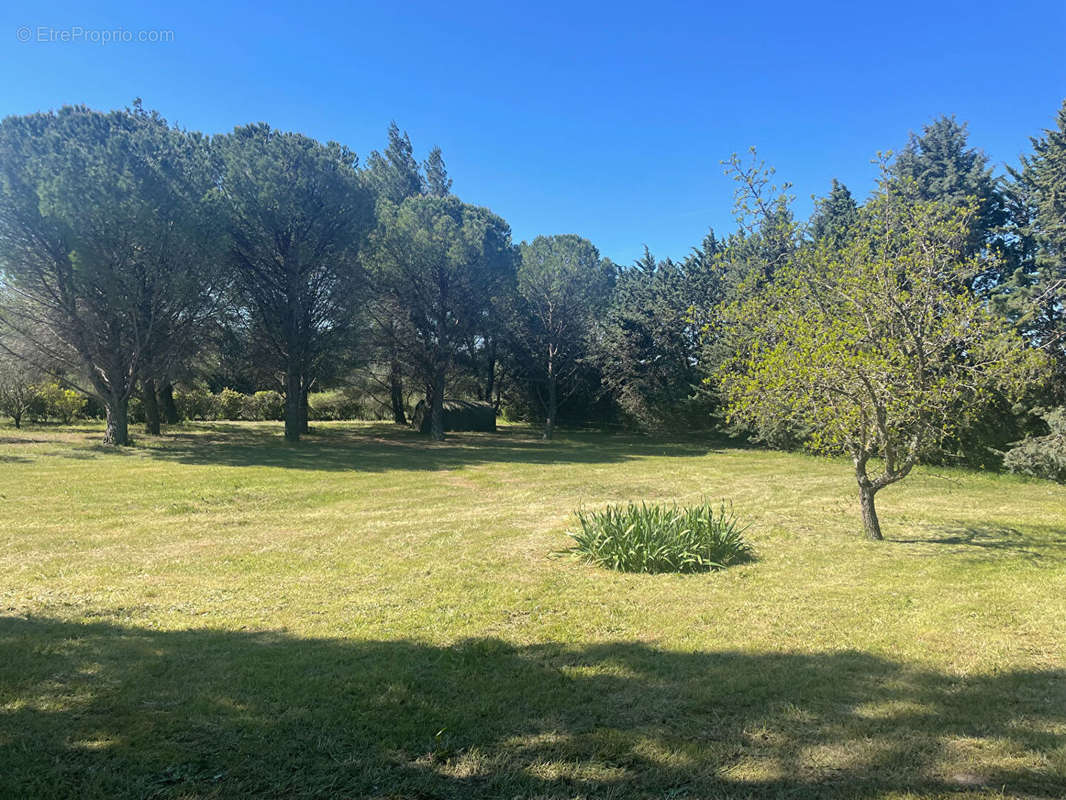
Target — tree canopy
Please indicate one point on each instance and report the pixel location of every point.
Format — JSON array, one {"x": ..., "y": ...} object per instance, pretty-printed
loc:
[
  {"x": 442, "y": 261},
  {"x": 109, "y": 250},
  {"x": 877, "y": 346},
  {"x": 563, "y": 284},
  {"x": 298, "y": 214}
]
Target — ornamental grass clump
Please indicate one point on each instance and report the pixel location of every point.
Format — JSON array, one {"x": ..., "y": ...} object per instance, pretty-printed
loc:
[{"x": 643, "y": 538}]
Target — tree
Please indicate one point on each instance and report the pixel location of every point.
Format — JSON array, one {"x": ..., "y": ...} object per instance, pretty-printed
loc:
[
  {"x": 394, "y": 175},
  {"x": 441, "y": 260},
  {"x": 298, "y": 215},
  {"x": 167, "y": 404},
  {"x": 835, "y": 215},
  {"x": 18, "y": 388},
  {"x": 484, "y": 350},
  {"x": 1034, "y": 294},
  {"x": 649, "y": 346},
  {"x": 767, "y": 232},
  {"x": 107, "y": 250},
  {"x": 563, "y": 284},
  {"x": 384, "y": 340},
  {"x": 942, "y": 167},
  {"x": 436, "y": 181},
  {"x": 877, "y": 345}
]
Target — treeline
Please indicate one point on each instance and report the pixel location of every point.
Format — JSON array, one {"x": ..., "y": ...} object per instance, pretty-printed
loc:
[{"x": 136, "y": 257}]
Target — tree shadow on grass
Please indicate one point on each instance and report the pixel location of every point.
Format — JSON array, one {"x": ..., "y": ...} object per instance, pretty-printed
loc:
[
  {"x": 1033, "y": 542},
  {"x": 99, "y": 710},
  {"x": 378, "y": 448}
]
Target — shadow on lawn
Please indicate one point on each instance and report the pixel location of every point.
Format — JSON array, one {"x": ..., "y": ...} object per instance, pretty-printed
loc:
[
  {"x": 1033, "y": 544},
  {"x": 100, "y": 710},
  {"x": 389, "y": 447}
]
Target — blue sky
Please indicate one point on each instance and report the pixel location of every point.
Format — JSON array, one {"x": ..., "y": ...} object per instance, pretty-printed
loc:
[{"x": 603, "y": 119}]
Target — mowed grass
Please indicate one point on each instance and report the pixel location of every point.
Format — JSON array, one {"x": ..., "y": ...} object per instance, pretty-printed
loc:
[{"x": 213, "y": 613}]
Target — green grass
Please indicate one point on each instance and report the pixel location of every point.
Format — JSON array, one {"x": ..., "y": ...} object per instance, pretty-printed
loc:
[{"x": 213, "y": 613}]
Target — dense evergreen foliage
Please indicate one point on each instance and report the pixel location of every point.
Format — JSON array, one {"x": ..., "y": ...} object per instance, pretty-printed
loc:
[{"x": 109, "y": 248}]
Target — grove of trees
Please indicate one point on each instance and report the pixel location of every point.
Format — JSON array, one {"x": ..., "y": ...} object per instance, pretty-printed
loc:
[{"x": 140, "y": 261}]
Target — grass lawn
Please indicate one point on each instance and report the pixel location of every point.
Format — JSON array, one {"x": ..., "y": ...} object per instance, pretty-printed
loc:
[{"x": 212, "y": 613}]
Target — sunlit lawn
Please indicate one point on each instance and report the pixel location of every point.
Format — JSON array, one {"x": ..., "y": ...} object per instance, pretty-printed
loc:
[{"x": 213, "y": 613}]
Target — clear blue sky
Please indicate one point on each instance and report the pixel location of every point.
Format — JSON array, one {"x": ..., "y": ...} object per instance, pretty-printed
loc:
[{"x": 608, "y": 120}]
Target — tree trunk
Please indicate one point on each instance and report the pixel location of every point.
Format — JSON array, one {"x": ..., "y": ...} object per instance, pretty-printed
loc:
[
  {"x": 117, "y": 432},
  {"x": 166, "y": 400},
  {"x": 293, "y": 397},
  {"x": 18, "y": 420},
  {"x": 869, "y": 512},
  {"x": 553, "y": 407},
  {"x": 553, "y": 394},
  {"x": 305, "y": 389},
  {"x": 396, "y": 393},
  {"x": 151, "y": 407},
  {"x": 490, "y": 376},
  {"x": 436, "y": 408}
]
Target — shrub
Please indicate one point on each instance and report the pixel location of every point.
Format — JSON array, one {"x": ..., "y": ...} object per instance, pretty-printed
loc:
[
  {"x": 459, "y": 415},
  {"x": 339, "y": 404},
  {"x": 230, "y": 404},
  {"x": 1042, "y": 456},
  {"x": 37, "y": 410},
  {"x": 331, "y": 405},
  {"x": 59, "y": 403},
  {"x": 135, "y": 412},
  {"x": 263, "y": 406},
  {"x": 656, "y": 538},
  {"x": 196, "y": 402}
]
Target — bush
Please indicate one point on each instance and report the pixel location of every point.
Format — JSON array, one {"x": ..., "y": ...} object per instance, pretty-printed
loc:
[
  {"x": 196, "y": 403},
  {"x": 59, "y": 403},
  {"x": 37, "y": 405},
  {"x": 459, "y": 415},
  {"x": 328, "y": 406},
  {"x": 135, "y": 412},
  {"x": 1042, "y": 456},
  {"x": 230, "y": 404},
  {"x": 646, "y": 538},
  {"x": 263, "y": 406},
  {"x": 343, "y": 405}
]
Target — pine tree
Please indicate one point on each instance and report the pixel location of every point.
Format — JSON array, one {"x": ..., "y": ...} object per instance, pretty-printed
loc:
[
  {"x": 835, "y": 215},
  {"x": 439, "y": 262},
  {"x": 436, "y": 181},
  {"x": 1034, "y": 295},
  {"x": 562, "y": 286},
  {"x": 944, "y": 168},
  {"x": 649, "y": 342},
  {"x": 646, "y": 263},
  {"x": 394, "y": 174}
]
